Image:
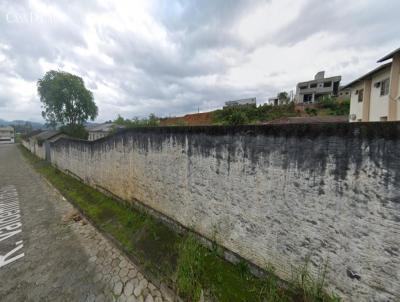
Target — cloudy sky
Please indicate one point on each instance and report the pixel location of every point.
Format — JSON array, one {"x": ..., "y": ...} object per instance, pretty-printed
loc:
[{"x": 171, "y": 57}]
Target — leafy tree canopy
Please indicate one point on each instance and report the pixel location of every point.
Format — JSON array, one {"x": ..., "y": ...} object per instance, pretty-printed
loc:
[
  {"x": 65, "y": 99},
  {"x": 283, "y": 97}
]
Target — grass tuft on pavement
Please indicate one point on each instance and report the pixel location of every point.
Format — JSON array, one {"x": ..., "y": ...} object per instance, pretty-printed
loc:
[{"x": 178, "y": 259}]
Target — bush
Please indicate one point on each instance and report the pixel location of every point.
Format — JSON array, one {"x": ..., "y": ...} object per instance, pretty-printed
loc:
[
  {"x": 311, "y": 111},
  {"x": 343, "y": 108},
  {"x": 237, "y": 118},
  {"x": 335, "y": 107},
  {"x": 238, "y": 115}
]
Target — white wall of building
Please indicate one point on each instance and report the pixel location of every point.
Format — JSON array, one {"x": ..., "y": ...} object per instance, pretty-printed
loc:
[
  {"x": 379, "y": 105},
  {"x": 356, "y": 108},
  {"x": 398, "y": 101},
  {"x": 6, "y": 135}
]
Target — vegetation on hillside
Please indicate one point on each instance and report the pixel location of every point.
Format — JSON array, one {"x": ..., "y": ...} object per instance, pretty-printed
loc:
[
  {"x": 151, "y": 121},
  {"x": 244, "y": 114},
  {"x": 250, "y": 114},
  {"x": 283, "y": 97},
  {"x": 180, "y": 258},
  {"x": 334, "y": 107}
]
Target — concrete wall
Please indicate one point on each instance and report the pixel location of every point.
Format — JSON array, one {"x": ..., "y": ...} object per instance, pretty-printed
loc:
[
  {"x": 26, "y": 144},
  {"x": 39, "y": 148},
  {"x": 272, "y": 194},
  {"x": 33, "y": 146}
]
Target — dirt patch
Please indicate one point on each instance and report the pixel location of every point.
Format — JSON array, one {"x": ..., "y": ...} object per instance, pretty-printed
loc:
[
  {"x": 197, "y": 119},
  {"x": 73, "y": 216}
]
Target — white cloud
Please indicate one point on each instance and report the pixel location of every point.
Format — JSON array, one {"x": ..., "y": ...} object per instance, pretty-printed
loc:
[{"x": 266, "y": 18}]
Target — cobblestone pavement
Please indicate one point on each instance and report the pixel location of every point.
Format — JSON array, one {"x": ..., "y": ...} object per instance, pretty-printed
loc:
[{"x": 63, "y": 259}]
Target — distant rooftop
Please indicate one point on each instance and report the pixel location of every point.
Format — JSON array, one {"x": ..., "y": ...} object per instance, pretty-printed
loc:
[
  {"x": 367, "y": 75},
  {"x": 33, "y": 133},
  {"x": 389, "y": 56},
  {"x": 44, "y": 135},
  {"x": 106, "y": 127},
  {"x": 319, "y": 77}
]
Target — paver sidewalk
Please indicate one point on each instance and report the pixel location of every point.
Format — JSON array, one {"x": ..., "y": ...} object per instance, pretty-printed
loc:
[{"x": 63, "y": 259}]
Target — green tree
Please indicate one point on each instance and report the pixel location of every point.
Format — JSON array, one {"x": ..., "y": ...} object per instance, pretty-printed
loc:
[
  {"x": 120, "y": 121},
  {"x": 66, "y": 100},
  {"x": 283, "y": 97},
  {"x": 153, "y": 120},
  {"x": 237, "y": 118}
]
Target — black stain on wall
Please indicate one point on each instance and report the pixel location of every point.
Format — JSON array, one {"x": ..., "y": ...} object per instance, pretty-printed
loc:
[{"x": 304, "y": 147}]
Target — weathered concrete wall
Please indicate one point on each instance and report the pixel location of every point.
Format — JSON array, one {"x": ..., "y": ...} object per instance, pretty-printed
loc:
[
  {"x": 35, "y": 148},
  {"x": 40, "y": 150},
  {"x": 26, "y": 144},
  {"x": 272, "y": 194}
]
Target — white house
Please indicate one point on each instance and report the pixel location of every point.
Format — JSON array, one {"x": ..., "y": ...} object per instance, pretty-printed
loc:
[
  {"x": 6, "y": 135},
  {"x": 250, "y": 101},
  {"x": 375, "y": 96}
]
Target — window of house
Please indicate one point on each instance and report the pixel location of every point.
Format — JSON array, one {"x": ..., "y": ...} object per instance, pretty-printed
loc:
[
  {"x": 327, "y": 84},
  {"x": 307, "y": 98},
  {"x": 313, "y": 85},
  {"x": 383, "y": 118},
  {"x": 303, "y": 87},
  {"x": 385, "y": 87},
  {"x": 360, "y": 95}
]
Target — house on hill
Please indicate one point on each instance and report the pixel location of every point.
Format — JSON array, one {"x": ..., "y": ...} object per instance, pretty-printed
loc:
[{"x": 313, "y": 90}]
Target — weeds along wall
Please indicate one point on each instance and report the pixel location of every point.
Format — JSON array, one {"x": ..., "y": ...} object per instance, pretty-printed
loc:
[{"x": 272, "y": 194}]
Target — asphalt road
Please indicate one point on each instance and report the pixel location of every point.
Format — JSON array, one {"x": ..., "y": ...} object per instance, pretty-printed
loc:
[{"x": 46, "y": 256}]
